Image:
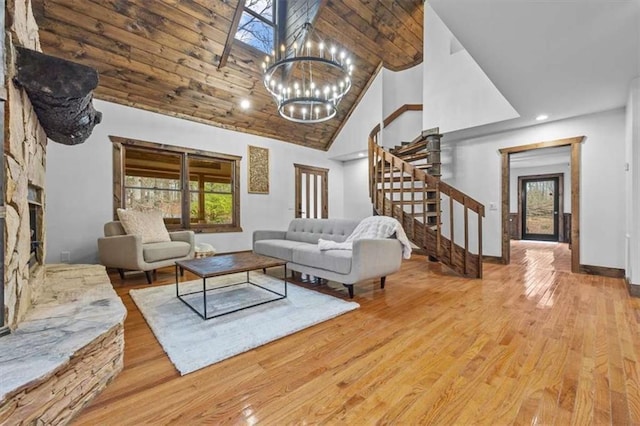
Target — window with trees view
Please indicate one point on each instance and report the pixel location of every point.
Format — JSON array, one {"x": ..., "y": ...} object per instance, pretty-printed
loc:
[
  {"x": 257, "y": 25},
  {"x": 193, "y": 189}
]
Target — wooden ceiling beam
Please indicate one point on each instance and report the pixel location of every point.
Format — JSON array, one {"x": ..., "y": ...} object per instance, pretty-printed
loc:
[{"x": 231, "y": 36}]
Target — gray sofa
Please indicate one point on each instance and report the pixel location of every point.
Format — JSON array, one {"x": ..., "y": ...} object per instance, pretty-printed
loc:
[{"x": 370, "y": 258}]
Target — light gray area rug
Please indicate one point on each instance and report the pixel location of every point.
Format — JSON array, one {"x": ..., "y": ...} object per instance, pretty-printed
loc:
[{"x": 193, "y": 343}]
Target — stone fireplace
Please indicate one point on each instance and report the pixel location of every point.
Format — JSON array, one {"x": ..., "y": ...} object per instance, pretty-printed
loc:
[
  {"x": 24, "y": 168},
  {"x": 66, "y": 339}
]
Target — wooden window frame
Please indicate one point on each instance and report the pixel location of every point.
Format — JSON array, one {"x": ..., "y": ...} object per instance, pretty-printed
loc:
[
  {"x": 273, "y": 24},
  {"x": 120, "y": 145}
]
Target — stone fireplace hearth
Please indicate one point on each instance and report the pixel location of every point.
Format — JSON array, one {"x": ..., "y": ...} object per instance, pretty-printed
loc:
[{"x": 66, "y": 321}]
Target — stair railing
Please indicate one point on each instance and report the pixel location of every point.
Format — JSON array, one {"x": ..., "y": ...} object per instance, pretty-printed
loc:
[{"x": 386, "y": 168}]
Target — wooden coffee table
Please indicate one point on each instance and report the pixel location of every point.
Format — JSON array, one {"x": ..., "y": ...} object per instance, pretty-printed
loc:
[{"x": 226, "y": 264}]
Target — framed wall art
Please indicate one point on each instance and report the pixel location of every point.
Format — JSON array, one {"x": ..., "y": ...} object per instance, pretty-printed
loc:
[{"x": 258, "y": 170}]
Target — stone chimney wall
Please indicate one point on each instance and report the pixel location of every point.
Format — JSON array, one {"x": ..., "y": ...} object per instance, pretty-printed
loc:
[{"x": 25, "y": 149}]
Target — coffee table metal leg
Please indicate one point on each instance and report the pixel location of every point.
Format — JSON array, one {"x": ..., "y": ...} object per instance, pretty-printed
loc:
[
  {"x": 204, "y": 292},
  {"x": 285, "y": 280},
  {"x": 177, "y": 292}
]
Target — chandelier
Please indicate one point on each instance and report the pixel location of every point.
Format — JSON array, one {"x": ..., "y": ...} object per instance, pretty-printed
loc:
[{"x": 307, "y": 80}]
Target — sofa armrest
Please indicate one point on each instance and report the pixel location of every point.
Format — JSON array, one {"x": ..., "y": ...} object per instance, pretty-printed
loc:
[
  {"x": 121, "y": 251},
  {"x": 187, "y": 237},
  {"x": 268, "y": 235},
  {"x": 373, "y": 258}
]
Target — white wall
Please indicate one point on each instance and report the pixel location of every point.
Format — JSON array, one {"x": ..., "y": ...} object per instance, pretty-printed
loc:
[
  {"x": 516, "y": 172},
  {"x": 401, "y": 87},
  {"x": 357, "y": 203},
  {"x": 354, "y": 135},
  {"x": 404, "y": 129},
  {"x": 457, "y": 93},
  {"x": 474, "y": 167},
  {"x": 79, "y": 180},
  {"x": 632, "y": 184}
]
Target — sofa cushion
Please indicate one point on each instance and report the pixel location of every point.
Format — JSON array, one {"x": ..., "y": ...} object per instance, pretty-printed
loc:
[
  {"x": 154, "y": 252},
  {"x": 148, "y": 224},
  {"x": 282, "y": 249},
  {"x": 331, "y": 260},
  {"x": 310, "y": 230}
]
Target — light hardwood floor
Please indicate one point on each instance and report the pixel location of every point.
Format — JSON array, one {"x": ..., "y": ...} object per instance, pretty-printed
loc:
[{"x": 529, "y": 343}]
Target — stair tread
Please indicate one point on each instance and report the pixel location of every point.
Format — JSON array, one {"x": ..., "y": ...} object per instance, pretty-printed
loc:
[
  {"x": 413, "y": 202},
  {"x": 411, "y": 148},
  {"x": 413, "y": 156},
  {"x": 409, "y": 190},
  {"x": 429, "y": 214}
]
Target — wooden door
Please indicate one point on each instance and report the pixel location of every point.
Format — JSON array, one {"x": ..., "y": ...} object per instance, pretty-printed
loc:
[
  {"x": 540, "y": 209},
  {"x": 312, "y": 192}
]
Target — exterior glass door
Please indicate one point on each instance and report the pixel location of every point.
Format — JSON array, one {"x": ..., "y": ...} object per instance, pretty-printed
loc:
[
  {"x": 540, "y": 209},
  {"x": 312, "y": 192}
]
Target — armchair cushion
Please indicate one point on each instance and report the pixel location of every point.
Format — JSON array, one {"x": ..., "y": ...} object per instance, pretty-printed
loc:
[
  {"x": 154, "y": 252},
  {"x": 148, "y": 224}
]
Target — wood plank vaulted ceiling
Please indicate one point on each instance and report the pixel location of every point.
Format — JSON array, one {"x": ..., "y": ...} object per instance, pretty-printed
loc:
[{"x": 163, "y": 55}]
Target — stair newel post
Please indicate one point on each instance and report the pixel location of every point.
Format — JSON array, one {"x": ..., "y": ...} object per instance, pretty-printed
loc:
[
  {"x": 451, "y": 225},
  {"x": 480, "y": 216},
  {"x": 391, "y": 182},
  {"x": 466, "y": 235},
  {"x": 370, "y": 159},
  {"x": 433, "y": 154},
  {"x": 413, "y": 202},
  {"x": 374, "y": 188},
  {"x": 402, "y": 193},
  {"x": 383, "y": 165},
  {"x": 438, "y": 221},
  {"x": 424, "y": 212}
]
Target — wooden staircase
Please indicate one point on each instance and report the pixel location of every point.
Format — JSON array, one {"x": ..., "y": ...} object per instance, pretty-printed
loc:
[{"x": 405, "y": 183}]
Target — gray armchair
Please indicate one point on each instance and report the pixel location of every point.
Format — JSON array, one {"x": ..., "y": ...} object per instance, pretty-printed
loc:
[{"x": 126, "y": 252}]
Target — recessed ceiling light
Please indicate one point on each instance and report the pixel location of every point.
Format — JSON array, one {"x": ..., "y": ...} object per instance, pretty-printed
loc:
[
  {"x": 542, "y": 117},
  {"x": 245, "y": 104},
  {"x": 361, "y": 154}
]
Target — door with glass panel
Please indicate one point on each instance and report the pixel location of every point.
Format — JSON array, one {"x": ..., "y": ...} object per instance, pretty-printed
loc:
[
  {"x": 540, "y": 209},
  {"x": 312, "y": 192}
]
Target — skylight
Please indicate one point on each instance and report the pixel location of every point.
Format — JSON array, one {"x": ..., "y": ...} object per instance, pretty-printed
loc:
[{"x": 257, "y": 26}]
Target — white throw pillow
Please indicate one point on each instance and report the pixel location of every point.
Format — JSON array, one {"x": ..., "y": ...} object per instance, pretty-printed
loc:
[{"x": 148, "y": 224}]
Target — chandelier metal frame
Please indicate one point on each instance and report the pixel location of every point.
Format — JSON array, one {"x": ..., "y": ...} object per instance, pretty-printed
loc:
[{"x": 308, "y": 81}]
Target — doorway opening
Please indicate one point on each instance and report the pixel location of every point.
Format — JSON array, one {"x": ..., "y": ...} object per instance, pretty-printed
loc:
[
  {"x": 312, "y": 192},
  {"x": 548, "y": 196}
]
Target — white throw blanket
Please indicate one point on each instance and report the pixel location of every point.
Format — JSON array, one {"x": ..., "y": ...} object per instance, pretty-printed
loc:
[{"x": 371, "y": 227}]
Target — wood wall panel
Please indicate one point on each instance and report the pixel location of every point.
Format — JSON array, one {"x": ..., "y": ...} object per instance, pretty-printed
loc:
[{"x": 163, "y": 56}]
